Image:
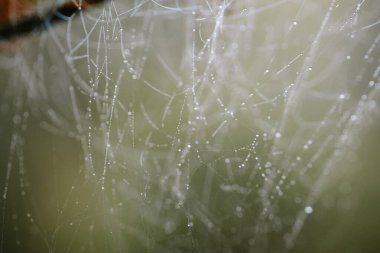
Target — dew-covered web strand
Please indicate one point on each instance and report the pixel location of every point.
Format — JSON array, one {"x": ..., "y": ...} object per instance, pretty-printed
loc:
[{"x": 201, "y": 110}]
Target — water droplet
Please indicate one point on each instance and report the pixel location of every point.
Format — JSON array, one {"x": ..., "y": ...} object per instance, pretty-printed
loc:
[{"x": 308, "y": 209}]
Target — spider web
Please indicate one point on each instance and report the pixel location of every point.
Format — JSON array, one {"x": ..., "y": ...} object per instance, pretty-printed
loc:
[{"x": 183, "y": 126}]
